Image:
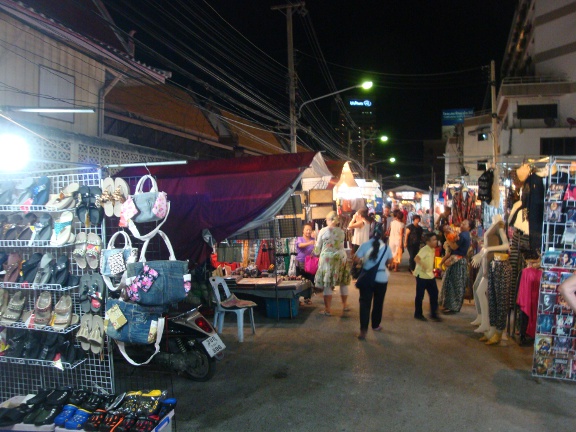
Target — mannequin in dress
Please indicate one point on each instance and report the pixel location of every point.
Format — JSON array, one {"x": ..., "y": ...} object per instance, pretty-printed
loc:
[{"x": 495, "y": 240}]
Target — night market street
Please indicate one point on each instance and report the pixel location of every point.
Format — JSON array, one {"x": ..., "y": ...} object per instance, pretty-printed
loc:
[{"x": 312, "y": 374}]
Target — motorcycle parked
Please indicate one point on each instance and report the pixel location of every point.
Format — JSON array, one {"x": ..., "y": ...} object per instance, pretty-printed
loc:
[{"x": 190, "y": 346}]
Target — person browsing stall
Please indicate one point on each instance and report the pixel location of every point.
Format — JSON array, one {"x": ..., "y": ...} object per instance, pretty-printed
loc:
[
  {"x": 425, "y": 279},
  {"x": 360, "y": 223},
  {"x": 305, "y": 247},
  {"x": 332, "y": 264},
  {"x": 373, "y": 251}
]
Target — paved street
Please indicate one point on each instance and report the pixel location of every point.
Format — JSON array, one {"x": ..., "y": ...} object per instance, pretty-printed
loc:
[{"x": 312, "y": 374}]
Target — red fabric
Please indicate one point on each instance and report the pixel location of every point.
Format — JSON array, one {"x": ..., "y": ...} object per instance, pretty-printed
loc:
[
  {"x": 263, "y": 259},
  {"x": 528, "y": 296},
  {"x": 215, "y": 263},
  {"x": 219, "y": 195}
]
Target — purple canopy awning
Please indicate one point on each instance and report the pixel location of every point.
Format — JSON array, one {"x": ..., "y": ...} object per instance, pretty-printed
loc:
[{"x": 220, "y": 195}]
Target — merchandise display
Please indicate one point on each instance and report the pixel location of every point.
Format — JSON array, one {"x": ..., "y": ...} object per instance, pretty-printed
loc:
[
  {"x": 67, "y": 408},
  {"x": 50, "y": 247},
  {"x": 555, "y": 336}
]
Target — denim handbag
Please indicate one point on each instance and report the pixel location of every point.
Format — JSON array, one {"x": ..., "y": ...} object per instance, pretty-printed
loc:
[
  {"x": 171, "y": 285},
  {"x": 152, "y": 206},
  {"x": 113, "y": 260},
  {"x": 144, "y": 326}
]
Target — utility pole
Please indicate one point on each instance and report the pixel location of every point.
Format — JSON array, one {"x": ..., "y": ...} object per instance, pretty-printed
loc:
[
  {"x": 363, "y": 145},
  {"x": 495, "y": 144},
  {"x": 291, "y": 72}
]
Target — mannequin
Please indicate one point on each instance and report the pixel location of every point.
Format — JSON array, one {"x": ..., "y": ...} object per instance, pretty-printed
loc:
[{"x": 495, "y": 240}]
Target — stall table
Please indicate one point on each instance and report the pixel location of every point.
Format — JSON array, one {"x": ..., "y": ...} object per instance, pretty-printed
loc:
[{"x": 266, "y": 287}]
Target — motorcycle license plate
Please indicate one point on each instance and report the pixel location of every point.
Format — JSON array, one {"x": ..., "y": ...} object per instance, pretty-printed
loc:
[{"x": 213, "y": 345}]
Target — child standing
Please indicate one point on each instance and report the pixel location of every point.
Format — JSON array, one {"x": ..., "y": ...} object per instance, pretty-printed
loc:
[{"x": 425, "y": 280}]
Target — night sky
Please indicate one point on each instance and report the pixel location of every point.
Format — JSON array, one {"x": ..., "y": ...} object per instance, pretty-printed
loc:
[{"x": 423, "y": 55}]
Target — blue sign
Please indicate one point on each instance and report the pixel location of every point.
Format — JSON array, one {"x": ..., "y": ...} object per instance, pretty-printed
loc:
[
  {"x": 454, "y": 116},
  {"x": 359, "y": 103}
]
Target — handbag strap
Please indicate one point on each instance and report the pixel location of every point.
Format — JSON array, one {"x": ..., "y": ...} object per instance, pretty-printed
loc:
[
  {"x": 168, "y": 245},
  {"x": 381, "y": 258},
  {"x": 110, "y": 285},
  {"x": 156, "y": 230},
  {"x": 142, "y": 181},
  {"x": 159, "y": 332},
  {"x": 127, "y": 241}
]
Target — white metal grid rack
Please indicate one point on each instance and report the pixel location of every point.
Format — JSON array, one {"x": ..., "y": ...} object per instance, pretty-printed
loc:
[
  {"x": 555, "y": 342},
  {"x": 22, "y": 376}
]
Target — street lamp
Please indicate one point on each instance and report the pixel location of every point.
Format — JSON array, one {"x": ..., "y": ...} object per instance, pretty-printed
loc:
[
  {"x": 364, "y": 142},
  {"x": 365, "y": 85}
]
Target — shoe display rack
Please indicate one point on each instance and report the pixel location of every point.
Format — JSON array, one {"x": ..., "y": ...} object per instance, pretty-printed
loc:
[
  {"x": 555, "y": 341},
  {"x": 20, "y": 376}
]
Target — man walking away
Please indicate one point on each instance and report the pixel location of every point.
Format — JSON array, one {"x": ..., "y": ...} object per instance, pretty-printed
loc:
[{"x": 412, "y": 240}]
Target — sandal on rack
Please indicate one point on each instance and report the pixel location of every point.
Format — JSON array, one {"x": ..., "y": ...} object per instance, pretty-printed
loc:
[
  {"x": 41, "y": 191},
  {"x": 96, "y": 292},
  {"x": 14, "y": 309},
  {"x": 121, "y": 193},
  {"x": 30, "y": 267},
  {"x": 85, "y": 294},
  {"x": 96, "y": 337},
  {"x": 60, "y": 271},
  {"x": 63, "y": 315},
  {"x": 43, "y": 273},
  {"x": 93, "y": 247},
  {"x": 42, "y": 228},
  {"x": 95, "y": 209},
  {"x": 65, "y": 199},
  {"x": 63, "y": 229},
  {"x": 12, "y": 267},
  {"x": 83, "y": 200},
  {"x": 107, "y": 197},
  {"x": 6, "y": 192},
  {"x": 43, "y": 310},
  {"x": 84, "y": 331},
  {"x": 79, "y": 253}
]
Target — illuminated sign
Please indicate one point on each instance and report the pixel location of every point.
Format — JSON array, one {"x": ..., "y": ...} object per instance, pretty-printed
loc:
[
  {"x": 405, "y": 195},
  {"x": 364, "y": 103}
]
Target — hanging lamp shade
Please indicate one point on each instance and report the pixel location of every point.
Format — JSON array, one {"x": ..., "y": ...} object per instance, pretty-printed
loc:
[{"x": 347, "y": 188}]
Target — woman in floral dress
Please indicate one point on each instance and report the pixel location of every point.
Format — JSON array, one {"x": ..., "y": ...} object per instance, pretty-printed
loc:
[{"x": 332, "y": 265}]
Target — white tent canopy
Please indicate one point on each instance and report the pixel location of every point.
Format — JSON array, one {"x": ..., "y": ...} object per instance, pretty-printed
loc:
[{"x": 317, "y": 175}]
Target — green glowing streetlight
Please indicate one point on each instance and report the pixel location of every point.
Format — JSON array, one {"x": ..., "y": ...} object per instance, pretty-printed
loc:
[
  {"x": 367, "y": 85},
  {"x": 392, "y": 159},
  {"x": 384, "y": 138}
]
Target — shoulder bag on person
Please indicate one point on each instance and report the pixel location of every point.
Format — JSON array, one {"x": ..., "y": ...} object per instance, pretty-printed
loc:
[
  {"x": 311, "y": 264},
  {"x": 367, "y": 277}
]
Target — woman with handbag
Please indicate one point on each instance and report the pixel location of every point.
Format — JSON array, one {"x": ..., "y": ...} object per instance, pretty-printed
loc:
[
  {"x": 332, "y": 266},
  {"x": 376, "y": 254},
  {"x": 305, "y": 247}
]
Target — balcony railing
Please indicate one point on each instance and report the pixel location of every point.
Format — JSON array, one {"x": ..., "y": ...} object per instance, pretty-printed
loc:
[{"x": 533, "y": 80}]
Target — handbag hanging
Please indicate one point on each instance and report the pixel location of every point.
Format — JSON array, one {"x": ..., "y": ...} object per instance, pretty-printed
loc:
[
  {"x": 160, "y": 282},
  {"x": 367, "y": 277},
  {"x": 113, "y": 260},
  {"x": 141, "y": 325},
  {"x": 152, "y": 206},
  {"x": 311, "y": 264}
]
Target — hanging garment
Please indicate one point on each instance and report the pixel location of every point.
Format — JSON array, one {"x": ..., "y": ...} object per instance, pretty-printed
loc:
[
  {"x": 454, "y": 285},
  {"x": 533, "y": 208},
  {"x": 528, "y": 296},
  {"x": 263, "y": 259},
  {"x": 485, "y": 186},
  {"x": 499, "y": 288}
]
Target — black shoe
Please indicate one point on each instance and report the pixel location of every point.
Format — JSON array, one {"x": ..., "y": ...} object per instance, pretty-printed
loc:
[
  {"x": 449, "y": 312},
  {"x": 420, "y": 317},
  {"x": 435, "y": 318}
]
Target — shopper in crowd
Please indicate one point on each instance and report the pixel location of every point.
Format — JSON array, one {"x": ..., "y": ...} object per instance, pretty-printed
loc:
[
  {"x": 412, "y": 240},
  {"x": 373, "y": 252},
  {"x": 305, "y": 247},
  {"x": 568, "y": 291},
  {"x": 396, "y": 238},
  {"x": 426, "y": 220},
  {"x": 387, "y": 219},
  {"x": 456, "y": 275},
  {"x": 332, "y": 265},
  {"x": 361, "y": 223},
  {"x": 425, "y": 280}
]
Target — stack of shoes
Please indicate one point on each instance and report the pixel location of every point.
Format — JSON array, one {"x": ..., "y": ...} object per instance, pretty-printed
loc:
[
  {"x": 80, "y": 409},
  {"x": 48, "y": 404}
]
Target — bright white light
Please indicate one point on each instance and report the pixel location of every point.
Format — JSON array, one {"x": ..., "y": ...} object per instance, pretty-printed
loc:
[
  {"x": 55, "y": 110},
  {"x": 398, "y": 175},
  {"x": 14, "y": 151},
  {"x": 367, "y": 85}
]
